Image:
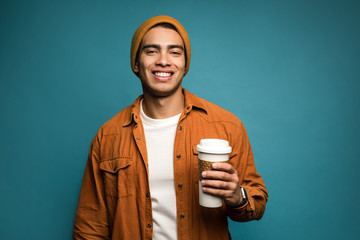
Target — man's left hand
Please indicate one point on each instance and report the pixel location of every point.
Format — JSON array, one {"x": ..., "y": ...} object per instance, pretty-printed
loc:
[{"x": 224, "y": 182}]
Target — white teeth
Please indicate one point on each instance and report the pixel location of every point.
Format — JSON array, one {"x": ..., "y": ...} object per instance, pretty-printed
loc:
[{"x": 162, "y": 74}]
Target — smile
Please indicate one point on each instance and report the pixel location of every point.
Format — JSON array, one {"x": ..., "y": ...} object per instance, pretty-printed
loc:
[{"x": 163, "y": 74}]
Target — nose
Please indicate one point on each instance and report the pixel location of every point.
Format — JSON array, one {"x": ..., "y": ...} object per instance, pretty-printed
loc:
[{"x": 163, "y": 60}]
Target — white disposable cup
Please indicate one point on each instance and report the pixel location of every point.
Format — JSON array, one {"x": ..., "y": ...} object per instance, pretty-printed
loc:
[{"x": 211, "y": 150}]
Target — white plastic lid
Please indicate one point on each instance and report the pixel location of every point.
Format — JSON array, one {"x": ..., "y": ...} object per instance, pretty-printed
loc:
[{"x": 214, "y": 146}]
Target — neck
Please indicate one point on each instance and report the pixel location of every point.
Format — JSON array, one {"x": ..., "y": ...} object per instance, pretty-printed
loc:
[{"x": 163, "y": 107}]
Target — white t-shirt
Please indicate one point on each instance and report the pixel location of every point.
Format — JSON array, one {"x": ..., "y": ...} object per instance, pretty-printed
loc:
[{"x": 160, "y": 137}]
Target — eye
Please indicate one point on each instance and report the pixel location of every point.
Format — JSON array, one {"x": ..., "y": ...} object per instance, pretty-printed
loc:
[
  {"x": 150, "y": 51},
  {"x": 176, "y": 53}
]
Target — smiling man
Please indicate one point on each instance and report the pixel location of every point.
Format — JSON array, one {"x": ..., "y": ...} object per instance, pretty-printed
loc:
[{"x": 141, "y": 178}]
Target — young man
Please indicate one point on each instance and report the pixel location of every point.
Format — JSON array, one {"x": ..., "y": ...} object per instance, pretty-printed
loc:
[{"x": 141, "y": 178}]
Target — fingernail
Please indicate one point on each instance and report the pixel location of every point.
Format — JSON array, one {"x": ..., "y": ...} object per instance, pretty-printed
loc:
[
  {"x": 214, "y": 165},
  {"x": 203, "y": 174}
]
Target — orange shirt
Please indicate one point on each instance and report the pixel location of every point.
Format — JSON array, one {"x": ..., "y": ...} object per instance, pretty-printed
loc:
[{"x": 115, "y": 200}]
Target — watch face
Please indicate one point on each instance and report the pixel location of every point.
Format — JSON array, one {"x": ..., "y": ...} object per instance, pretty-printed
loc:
[{"x": 243, "y": 193}]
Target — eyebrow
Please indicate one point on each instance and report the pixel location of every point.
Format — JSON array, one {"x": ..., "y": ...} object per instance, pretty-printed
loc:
[{"x": 158, "y": 46}]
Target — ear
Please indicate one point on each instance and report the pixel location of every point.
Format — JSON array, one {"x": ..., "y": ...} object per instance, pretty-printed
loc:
[{"x": 136, "y": 68}]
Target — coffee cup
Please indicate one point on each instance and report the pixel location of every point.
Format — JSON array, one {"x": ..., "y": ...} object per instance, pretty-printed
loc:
[{"x": 211, "y": 150}]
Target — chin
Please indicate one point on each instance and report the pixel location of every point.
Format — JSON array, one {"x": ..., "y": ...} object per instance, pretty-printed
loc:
[{"x": 161, "y": 92}]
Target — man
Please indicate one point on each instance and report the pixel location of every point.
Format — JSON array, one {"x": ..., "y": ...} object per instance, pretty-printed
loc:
[{"x": 141, "y": 179}]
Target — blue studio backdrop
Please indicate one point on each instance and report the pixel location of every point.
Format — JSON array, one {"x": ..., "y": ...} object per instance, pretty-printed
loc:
[{"x": 288, "y": 69}]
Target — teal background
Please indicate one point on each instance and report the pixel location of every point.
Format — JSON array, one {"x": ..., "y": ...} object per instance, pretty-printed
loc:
[{"x": 288, "y": 69}]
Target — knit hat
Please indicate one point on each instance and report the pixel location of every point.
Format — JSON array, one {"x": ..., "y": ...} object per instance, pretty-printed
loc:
[{"x": 147, "y": 25}]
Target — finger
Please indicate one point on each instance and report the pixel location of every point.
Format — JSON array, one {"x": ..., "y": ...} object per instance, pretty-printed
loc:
[
  {"x": 227, "y": 167},
  {"x": 220, "y": 175},
  {"x": 218, "y": 192},
  {"x": 218, "y": 184}
]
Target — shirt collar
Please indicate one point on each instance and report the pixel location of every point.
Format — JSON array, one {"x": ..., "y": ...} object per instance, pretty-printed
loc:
[
  {"x": 133, "y": 112},
  {"x": 191, "y": 102}
]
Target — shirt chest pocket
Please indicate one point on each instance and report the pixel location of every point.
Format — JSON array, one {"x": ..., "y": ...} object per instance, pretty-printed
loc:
[{"x": 118, "y": 177}]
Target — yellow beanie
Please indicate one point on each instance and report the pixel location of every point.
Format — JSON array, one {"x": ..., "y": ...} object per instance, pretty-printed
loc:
[{"x": 147, "y": 25}]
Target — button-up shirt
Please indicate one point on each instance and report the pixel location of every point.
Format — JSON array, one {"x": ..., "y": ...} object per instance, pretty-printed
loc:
[{"x": 115, "y": 200}]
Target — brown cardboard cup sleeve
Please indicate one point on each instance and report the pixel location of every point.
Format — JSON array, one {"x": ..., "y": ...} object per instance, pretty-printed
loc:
[{"x": 207, "y": 166}]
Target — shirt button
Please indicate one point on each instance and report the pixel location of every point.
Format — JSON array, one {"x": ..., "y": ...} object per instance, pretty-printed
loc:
[
  {"x": 178, "y": 156},
  {"x": 149, "y": 225},
  {"x": 180, "y": 127},
  {"x": 148, "y": 195},
  {"x": 180, "y": 185},
  {"x": 187, "y": 108},
  {"x": 182, "y": 215},
  {"x": 138, "y": 138}
]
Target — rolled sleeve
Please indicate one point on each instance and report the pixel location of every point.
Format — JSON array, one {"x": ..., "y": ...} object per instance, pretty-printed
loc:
[{"x": 243, "y": 160}]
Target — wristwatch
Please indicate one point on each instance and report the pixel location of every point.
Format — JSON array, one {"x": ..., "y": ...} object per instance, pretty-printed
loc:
[{"x": 244, "y": 197}]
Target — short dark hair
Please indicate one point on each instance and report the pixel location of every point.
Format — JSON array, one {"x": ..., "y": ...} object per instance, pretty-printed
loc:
[{"x": 165, "y": 25}]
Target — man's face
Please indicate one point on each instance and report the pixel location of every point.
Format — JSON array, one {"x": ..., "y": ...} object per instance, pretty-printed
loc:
[{"x": 161, "y": 62}]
